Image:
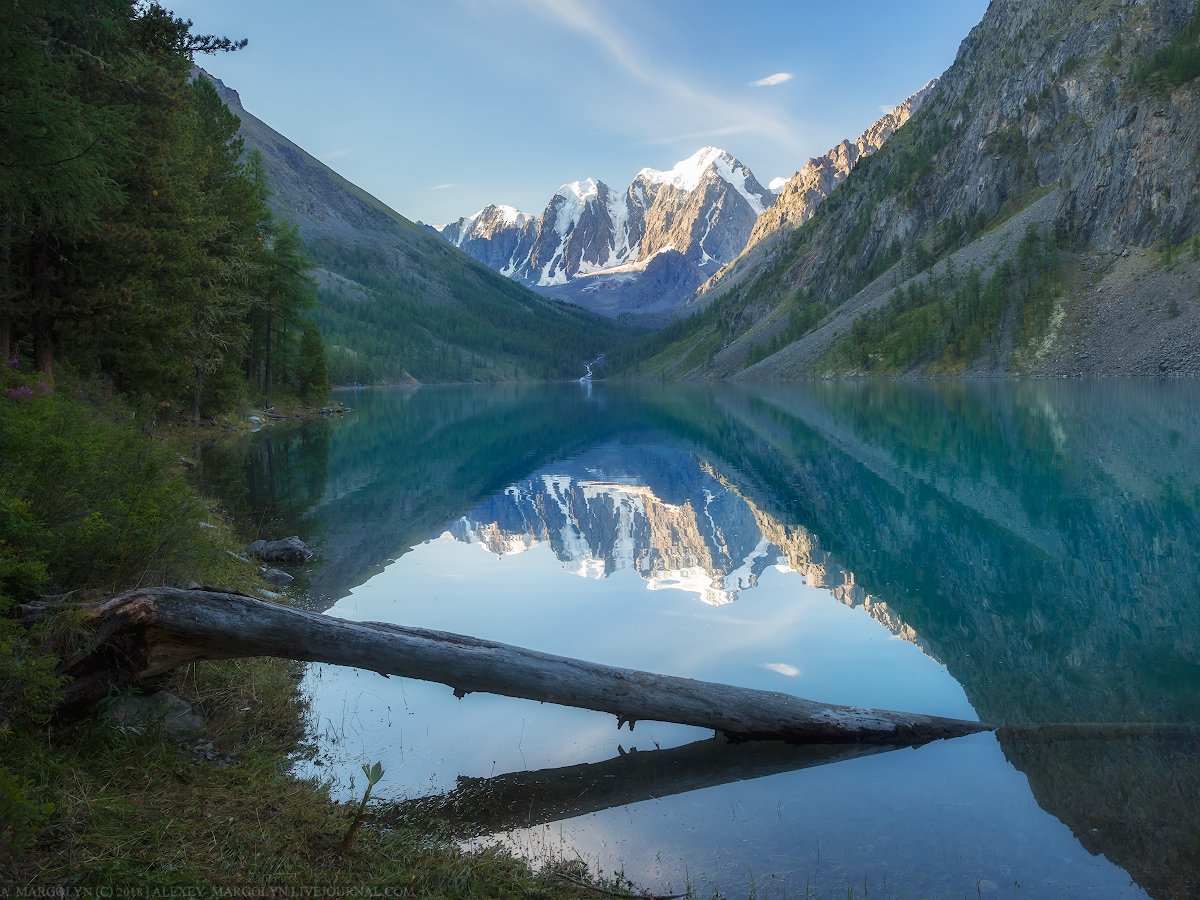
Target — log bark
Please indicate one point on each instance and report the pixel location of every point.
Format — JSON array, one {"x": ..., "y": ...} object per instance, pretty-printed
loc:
[{"x": 146, "y": 633}]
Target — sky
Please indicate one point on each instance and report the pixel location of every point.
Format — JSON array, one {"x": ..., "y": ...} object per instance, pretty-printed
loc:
[{"x": 440, "y": 107}]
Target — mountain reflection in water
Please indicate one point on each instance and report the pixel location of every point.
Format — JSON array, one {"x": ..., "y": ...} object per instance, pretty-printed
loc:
[{"x": 1039, "y": 539}]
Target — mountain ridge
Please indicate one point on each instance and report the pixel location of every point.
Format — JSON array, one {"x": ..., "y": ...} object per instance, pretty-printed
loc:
[
  {"x": 601, "y": 249},
  {"x": 1043, "y": 94},
  {"x": 398, "y": 304}
]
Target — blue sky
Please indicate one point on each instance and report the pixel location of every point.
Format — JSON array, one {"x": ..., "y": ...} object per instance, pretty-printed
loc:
[{"x": 441, "y": 107}]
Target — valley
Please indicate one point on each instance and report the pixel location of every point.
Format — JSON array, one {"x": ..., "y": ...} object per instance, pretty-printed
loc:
[{"x": 1047, "y": 120}]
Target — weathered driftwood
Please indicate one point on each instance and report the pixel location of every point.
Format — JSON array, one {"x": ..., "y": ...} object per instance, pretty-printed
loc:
[{"x": 146, "y": 633}]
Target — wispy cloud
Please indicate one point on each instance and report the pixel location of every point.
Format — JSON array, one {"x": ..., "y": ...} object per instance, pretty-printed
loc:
[
  {"x": 336, "y": 154},
  {"x": 666, "y": 89},
  {"x": 782, "y": 669},
  {"x": 697, "y": 135},
  {"x": 886, "y": 108},
  {"x": 441, "y": 187},
  {"x": 777, "y": 78}
]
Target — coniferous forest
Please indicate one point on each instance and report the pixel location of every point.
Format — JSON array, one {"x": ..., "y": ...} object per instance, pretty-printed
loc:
[{"x": 138, "y": 248}]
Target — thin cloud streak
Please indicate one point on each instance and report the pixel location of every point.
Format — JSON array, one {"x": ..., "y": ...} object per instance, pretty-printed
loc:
[
  {"x": 695, "y": 135},
  {"x": 771, "y": 80},
  {"x": 336, "y": 154},
  {"x": 580, "y": 16},
  {"x": 441, "y": 187}
]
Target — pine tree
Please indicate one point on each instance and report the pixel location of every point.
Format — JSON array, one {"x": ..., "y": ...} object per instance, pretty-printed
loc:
[{"x": 312, "y": 367}]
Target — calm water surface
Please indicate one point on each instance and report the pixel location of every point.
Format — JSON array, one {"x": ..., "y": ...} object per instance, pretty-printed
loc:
[{"x": 1022, "y": 553}]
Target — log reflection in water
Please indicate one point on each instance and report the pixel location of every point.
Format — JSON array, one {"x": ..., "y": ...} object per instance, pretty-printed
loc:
[{"x": 523, "y": 799}]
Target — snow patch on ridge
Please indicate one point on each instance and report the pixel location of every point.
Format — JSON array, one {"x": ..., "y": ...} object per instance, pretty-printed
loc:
[{"x": 735, "y": 174}]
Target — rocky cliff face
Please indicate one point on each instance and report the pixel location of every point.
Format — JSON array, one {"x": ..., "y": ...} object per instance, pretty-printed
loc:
[
  {"x": 1043, "y": 94},
  {"x": 804, "y": 191},
  {"x": 643, "y": 250}
]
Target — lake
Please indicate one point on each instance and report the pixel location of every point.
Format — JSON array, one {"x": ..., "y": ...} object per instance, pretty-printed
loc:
[{"x": 1022, "y": 553}]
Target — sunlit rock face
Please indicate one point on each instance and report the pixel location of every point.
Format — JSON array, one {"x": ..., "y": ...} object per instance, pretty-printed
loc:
[{"x": 804, "y": 191}]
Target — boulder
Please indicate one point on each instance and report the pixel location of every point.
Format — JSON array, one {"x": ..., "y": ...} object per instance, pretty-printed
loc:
[
  {"x": 276, "y": 577},
  {"x": 287, "y": 552}
]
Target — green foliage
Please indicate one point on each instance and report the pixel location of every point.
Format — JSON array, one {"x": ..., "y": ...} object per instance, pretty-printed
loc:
[
  {"x": 912, "y": 149},
  {"x": 405, "y": 325},
  {"x": 954, "y": 233},
  {"x": 945, "y": 321},
  {"x": 1070, "y": 65},
  {"x": 312, "y": 369},
  {"x": 1176, "y": 63},
  {"x": 21, "y": 818},
  {"x": 135, "y": 241},
  {"x": 284, "y": 290},
  {"x": 87, "y": 501},
  {"x": 373, "y": 773}
]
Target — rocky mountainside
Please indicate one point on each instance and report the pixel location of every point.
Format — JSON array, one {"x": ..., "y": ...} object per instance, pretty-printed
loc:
[
  {"x": 804, "y": 191},
  {"x": 395, "y": 302},
  {"x": 641, "y": 251},
  {"x": 1088, "y": 110}
]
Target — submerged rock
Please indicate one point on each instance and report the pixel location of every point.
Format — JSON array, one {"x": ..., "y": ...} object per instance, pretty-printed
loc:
[
  {"x": 140, "y": 711},
  {"x": 276, "y": 577}
]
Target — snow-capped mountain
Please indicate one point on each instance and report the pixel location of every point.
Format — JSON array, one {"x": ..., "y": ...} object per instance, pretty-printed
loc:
[
  {"x": 643, "y": 250},
  {"x": 493, "y": 235}
]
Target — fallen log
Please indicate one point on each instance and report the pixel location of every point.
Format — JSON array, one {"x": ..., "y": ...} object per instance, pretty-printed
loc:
[{"x": 143, "y": 634}]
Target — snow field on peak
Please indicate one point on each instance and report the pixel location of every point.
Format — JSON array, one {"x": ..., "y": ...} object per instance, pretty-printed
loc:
[{"x": 686, "y": 174}]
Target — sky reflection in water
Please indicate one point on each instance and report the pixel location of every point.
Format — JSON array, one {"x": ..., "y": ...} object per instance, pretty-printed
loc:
[{"x": 1027, "y": 547}]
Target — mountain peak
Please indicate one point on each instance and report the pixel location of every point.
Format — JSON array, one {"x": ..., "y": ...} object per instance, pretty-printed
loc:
[
  {"x": 580, "y": 190},
  {"x": 686, "y": 174},
  {"x": 642, "y": 249}
]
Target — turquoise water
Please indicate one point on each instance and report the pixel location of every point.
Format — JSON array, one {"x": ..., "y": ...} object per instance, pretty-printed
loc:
[{"x": 1024, "y": 553}]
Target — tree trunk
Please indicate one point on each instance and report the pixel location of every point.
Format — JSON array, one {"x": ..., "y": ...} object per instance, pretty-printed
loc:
[
  {"x": 6, "y": 293},
  {"x": 146, "y": 633},
  {"x": 43, "y": 344},
  {"x": 43, "y": 330},
  {"x": 196, "y": 398},
  {"x": 267, "y": 361}
]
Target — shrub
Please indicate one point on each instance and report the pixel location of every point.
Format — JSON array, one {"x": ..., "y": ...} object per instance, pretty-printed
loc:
[
  {"x": 1176, "y": 63},
  {"x": 86, "y": 501}
]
